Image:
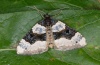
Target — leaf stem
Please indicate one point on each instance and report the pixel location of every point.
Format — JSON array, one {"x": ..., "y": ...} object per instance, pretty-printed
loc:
[{"x": 6, "y": 49}]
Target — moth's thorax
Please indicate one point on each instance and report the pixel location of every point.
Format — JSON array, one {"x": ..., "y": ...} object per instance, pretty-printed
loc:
[
  {"x": 47, "y": 21},
  {"x": 49, "y": 37}
]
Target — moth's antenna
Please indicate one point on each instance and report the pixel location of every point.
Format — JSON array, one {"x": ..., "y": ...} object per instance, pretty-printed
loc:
[
  {"x": 39, "y": 11},
  {"x": 57, "y": 11}
]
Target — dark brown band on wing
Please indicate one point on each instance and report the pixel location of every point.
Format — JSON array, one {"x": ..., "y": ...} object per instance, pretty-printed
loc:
[
  {"x": 31, "y": 37},
  {"x": 68, "y": 33}
]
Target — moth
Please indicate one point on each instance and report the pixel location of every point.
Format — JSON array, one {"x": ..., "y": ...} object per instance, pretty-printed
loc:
[{"x": 50, "y": 33}]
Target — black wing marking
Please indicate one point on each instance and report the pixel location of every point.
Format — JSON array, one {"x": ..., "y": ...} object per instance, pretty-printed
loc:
[
  {"x": 31, "y": 37},
  {"x": 67, "y": 33}
]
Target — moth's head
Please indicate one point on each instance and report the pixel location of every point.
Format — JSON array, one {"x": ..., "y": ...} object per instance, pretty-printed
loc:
[
  {"x": 47, "y": 20},
  {"x": 47, "y": 16}
]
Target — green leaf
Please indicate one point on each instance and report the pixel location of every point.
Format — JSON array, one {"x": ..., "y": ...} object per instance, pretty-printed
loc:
[
  {"x": 14, "y": 25},
  {"x": 21, "y": 5}
]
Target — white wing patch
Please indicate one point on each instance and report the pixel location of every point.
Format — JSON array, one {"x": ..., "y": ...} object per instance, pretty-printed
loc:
[
  {"x": 39, "y": 29},
  {"x": 36, "y": 48},
  {"x": 59, "y": 26},
  {"x": 64, "y": 44}
]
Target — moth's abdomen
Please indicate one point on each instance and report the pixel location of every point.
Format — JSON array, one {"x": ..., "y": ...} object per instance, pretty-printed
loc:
[{"x": 49, "y": 37}]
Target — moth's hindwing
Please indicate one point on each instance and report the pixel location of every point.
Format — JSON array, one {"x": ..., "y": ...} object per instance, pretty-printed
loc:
[
  {"x": 34, "y": 42},
  {"x": 66, "y": 38}
]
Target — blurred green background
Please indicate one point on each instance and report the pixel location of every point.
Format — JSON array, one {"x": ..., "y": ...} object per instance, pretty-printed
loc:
[{"x": 17, "y": 18}]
